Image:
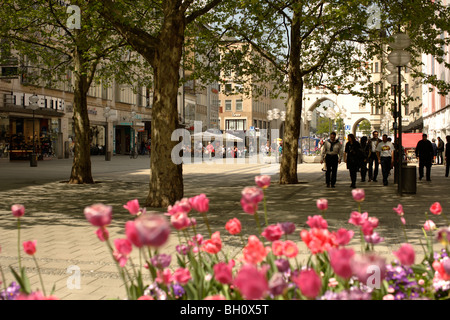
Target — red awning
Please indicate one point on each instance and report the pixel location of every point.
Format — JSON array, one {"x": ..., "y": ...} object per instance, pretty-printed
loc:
[{"x": 409, "y": 140}]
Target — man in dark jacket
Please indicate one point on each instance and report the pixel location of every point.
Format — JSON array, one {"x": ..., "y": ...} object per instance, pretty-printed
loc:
[
  {"x": 425, "y": 154},
  {"x": 440, "y": 150}
]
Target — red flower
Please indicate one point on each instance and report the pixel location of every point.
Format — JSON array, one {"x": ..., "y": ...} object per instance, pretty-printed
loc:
[
  {"x": 133, "y": 207},
  {"x": 251, "y": 282},
  {"x": 318, "y": 240},
  {"x": 309, "y": 283},
  {"x": 436, "y": 208},
  {"x": 152, "y": 230},
  {"x": 317, "y": 222},
  {"x": 102, "y": 234},
  {"x": 182, "y": 275},
  {"x": 277, "y": 247},
  {"x": 233, "y": 226},
  {"x": 29, "y": 247},
  {"x": 340, "y": 262},
  {"x": 290, "y": 249},
  {"x": 200, "y": 203},
  {"x": 405, "y": 254},
  {"x": 18, "y": 210},
  {"x": 344, "y": 236},
  {"x": 223, "y": 272},
  {"x": 213, "y": 245},
  {"x": 254, "y": 252},
  {"x": 262, "y": 181},
  {"x": 358, "y": 219},
  {"x": 180, "y": 220},
  {"x": 123, "y": 250},
  {"x": 98, "y": 215},
  {"x": 272, "y": 232}
]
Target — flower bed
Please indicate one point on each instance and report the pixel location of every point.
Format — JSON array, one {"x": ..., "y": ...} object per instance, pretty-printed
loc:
[{"x": 267, "y": 267}]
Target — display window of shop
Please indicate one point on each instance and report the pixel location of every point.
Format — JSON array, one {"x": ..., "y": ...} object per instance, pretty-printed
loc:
[
  {"x": 21, "y": 143},
  {"x": 235, "y": 124},
  {"x": 4, "y": 136}
]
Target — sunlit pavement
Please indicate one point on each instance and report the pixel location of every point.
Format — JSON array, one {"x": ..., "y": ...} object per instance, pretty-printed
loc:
[{"x": 66, "y": 241}]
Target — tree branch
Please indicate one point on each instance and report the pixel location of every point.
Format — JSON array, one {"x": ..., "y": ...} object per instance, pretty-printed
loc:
[{"x": 194, "y": 15}]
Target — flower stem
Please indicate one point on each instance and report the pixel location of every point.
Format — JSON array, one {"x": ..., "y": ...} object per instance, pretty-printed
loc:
[
  {"x": 40, "y": 276},
  {"x": 207, "y": 223},
  {"x": 3, "y": 278},
  {"x": 18, "y": 244},
  {"x": 257, "y": 223},
  {"x": 265, "y": 208},
  {"x": 111, "y": 250}
]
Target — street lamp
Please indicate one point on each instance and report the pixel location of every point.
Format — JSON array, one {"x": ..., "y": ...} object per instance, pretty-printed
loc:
[
  {"x": 399, "y": 58},
  {"x": 34, "y": 105}
]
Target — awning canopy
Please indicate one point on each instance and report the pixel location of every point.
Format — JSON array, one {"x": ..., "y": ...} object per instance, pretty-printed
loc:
[
  {"x": 416, "y": 125},
  {"x": 409, "y": 140}
]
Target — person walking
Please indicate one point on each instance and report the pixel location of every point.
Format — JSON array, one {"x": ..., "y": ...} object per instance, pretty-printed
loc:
[
  {"x": 440, "y": 150},
  {"x": 331, "y": 154},
  {"x": 447, "y": 155},
  {"x": 433, "y": 143},
  {"x": 352, "y": 157},
  {"x": 385, "y": 155},
  {"x": 365, "y": 151},
  {"x": 373, "y": 159},
  {"x": 424, "y": 152}
]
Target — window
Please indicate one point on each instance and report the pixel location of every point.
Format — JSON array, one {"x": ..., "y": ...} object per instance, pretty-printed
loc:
[
  {"x": 228, "y": 87},
  {"x": 227, "y": 105},
  {"x": 406, "y": 89},
  {"x": 238, "y": 105},
  {"x": 376, "y": 67},
  {"x": 238, "y": 124}
]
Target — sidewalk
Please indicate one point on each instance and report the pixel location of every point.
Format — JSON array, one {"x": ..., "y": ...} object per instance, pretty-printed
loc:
[{"x": 54, "y": 213}]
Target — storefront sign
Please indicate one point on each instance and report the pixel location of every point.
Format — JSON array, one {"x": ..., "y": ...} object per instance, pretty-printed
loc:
[{"x": 44, "y": 102}]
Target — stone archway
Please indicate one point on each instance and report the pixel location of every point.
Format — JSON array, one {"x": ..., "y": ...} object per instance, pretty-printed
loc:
[{"x": 356, "y": 124}]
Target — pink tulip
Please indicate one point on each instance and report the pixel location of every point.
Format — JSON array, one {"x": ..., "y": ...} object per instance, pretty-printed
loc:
[
  {"x": 29, "y": 247},
  {"x": 262, "y": 181},
  {"x": 357, "y": 218},
  {"x": 343, "y": 236},
  {"x": 317, "y": 222},
  {"x": 131, "y": 233},
  {"x": 272, "y": 232},
  {"x": 200, "y": 203},
  {"x": 340, "y": 262},
  {"x": 368, "y": 226},
  {"x": 399, "y": 210},
  {"x": 254, "y": 252},
  {"x": 18, "y": 210},
  {"x": 35, "y": 296},
  {"x": 388, "y": 297},
  {"x": 213, "y": 245},
  {"x": 182, "y": 205},
  {"x": 309, "y": 283},
  {"x": 251, "y": 282},
  {"x": 249, "y": 207},
  {"x": 363, "y": 266},
  {"x": 180, "y": 220},
  {"x": 233, "y": 226},
  {"x": 133, "y": 207},
  {"x": 164, "y": 276},
  {"x": 322, "y": 204},
  {"x": 436, "y": 208},
  {"x": 98, "y": 215},
  {"x": 152, "y": 230},
  {"x": 252, "y": 195},
  {"x": 429, "y": 225},
  {"x": 277, "y": 247},
  {"x": 405, "y": 254},
  {"x": 290, "y": 249},
  {"x": 123, "y": 250},
  {"x": 402, "y": 219},
  {"x": 223, "y": 272},
  {"x": 102, "y": 234},
  {"x": 182, "y": 276},
  {"x": 358, "y": 195},
  {"x": 145, "y": 297},
  {"x": 374, "y": 238},
  {"x": 215, "y": 297}
]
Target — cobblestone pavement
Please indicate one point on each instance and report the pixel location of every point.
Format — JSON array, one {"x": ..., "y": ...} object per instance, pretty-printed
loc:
[{"x": 66, "y": 241}]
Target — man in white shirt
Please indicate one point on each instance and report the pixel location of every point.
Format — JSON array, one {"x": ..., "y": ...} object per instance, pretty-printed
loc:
[
  {"x": 385, "y": 155},
  {"x": 332, "y": 153},
  {"x": 373, "y": 159}
]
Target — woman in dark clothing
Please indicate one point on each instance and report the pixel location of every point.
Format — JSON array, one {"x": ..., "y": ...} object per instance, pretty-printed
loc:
[
  {"x": 352, "y": 157},
  {"x": 365, "y": 149},
  {"x": 447, "y": 156}
]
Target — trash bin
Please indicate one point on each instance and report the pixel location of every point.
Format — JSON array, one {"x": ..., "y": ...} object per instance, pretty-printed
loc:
[{"x": 409, "y": 179}]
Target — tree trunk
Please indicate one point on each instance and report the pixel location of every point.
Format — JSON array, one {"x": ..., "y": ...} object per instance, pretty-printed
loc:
[
  {"x": 81, "y": 167},
  {"x": 166, "y": 180},
  {"x": 288, "y": 166}
]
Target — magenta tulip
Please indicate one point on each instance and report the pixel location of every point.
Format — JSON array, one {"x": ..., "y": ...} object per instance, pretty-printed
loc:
[
  {"x": 98, "y": 215},
  {"x": 18, "y": 210}
]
